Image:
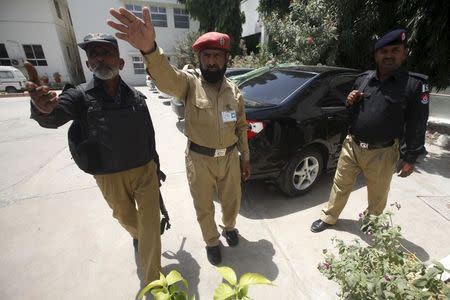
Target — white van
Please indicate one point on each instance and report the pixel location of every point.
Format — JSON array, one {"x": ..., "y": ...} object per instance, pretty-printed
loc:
[{"x": 11, "y": 80}]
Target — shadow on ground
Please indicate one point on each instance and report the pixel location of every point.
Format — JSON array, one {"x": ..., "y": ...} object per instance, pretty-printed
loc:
[
  {"x": 265, "y": 200},
  {"x": 435, "y": 163},
  {"x": 353, "y": 227},
  {"x": 251, "y": 257}
]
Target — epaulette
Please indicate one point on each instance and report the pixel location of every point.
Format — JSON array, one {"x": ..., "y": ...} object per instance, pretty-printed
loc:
[{"x": 418, "y": 76}]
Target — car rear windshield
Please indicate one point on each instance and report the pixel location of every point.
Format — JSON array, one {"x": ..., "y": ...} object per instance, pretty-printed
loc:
[{"x": 272, "y": 87}]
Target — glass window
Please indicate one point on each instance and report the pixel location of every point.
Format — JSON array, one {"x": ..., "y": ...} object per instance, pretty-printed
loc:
[
  {"x": 181, "y": 17},
  {"x": 35, "y": 55},
  {"x": 6, "y": 74},
  {"x": 58, "y": 10},
  {"x": 339, "y": 88},
  {"x": 272, "y": 87},
  {"x": 159, "y": 16},
  {"x": 135, "y": 9},
  {"x": 4, "y": 57},
  {"x": 138, "y": 65}
]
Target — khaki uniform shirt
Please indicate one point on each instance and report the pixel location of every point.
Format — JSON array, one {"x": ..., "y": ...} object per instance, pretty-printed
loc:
[{"x": 213, "y": 118}]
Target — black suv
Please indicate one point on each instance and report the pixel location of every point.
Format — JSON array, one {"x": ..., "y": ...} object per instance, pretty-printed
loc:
[{"x": 297, "y": 121}]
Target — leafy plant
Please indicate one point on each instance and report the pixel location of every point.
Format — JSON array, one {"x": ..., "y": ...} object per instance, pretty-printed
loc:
[
  {"x": 383, "y": 270},
  {"x": 166, "y": 288},
  {"x": 234, "y": 290}
]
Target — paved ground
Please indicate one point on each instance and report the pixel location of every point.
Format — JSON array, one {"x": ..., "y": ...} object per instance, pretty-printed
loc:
[{"x": 59, "y": 241}]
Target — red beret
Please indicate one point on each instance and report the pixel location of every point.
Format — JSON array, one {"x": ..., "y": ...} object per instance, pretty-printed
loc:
[{"x": 212, "y": 40}]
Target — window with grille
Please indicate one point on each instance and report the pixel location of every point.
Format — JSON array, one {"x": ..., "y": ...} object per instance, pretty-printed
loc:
[
  {"x": 4, "y": 58},
  {"x": 181, "y": 17},
  {"x": 35, "y": 55},
  {"x": 138, "y": 65},
  {"x": 135, "y": 9},
  {"x": 159, "y": 16}
]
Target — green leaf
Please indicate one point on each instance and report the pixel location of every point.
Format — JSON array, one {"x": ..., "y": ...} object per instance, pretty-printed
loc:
[
  {"x": 223, "y": 291},
  {"x": 148, "y": 287},
  {"x": 173, "y": 277},
  {"x": 253, "y": 278},
  {"x": 242, "y": 292},
  {"x": 228, "y": 274},
  {"x": 161, "y": 296}
]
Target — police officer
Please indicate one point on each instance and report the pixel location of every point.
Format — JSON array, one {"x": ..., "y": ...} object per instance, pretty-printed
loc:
[
  {"x": 215, "y": 123},
  {"x": 386, "y": 106},
  {"x": 105, "y": 112}
]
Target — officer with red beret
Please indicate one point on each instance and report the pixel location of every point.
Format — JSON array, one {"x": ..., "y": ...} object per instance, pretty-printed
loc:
[
  {"x": 217, "y": 154},
  {"x": 386, "y": 106}
]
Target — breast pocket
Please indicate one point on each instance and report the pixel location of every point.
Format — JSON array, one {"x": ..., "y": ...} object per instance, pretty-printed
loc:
[
  {"x": 202, "y": 112},
  {"x": 396, "y": 101}
]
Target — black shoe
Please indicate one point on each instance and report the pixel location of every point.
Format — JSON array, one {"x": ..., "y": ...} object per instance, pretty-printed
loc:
[
  {"x": 214, "y": 255},
  {"x": 135, "y": 243},
  {"x": 232, "y": 237},
  {"x": 319, "y": 225}
]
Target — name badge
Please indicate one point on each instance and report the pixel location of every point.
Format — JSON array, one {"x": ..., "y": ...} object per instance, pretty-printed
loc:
[{"x": 229, "y": 116}]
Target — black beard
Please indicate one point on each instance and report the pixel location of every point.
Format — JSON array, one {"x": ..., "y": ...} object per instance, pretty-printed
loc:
[{"x": 213, "y": 76}]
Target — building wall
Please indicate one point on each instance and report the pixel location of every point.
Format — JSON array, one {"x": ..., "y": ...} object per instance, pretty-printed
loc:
[
  {"x": 94, "y": 19},
  {"x": 24, "y": 22},
  {"x": 252, "y": 23}
]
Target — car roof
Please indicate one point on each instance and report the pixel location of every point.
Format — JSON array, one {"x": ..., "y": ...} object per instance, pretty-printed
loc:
[
  {"x": 7, "y": 68},
  {"x": 318, "y": 69}
]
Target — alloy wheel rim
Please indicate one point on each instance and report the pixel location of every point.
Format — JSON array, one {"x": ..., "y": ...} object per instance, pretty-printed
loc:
[{"x": 305, "y": 173}]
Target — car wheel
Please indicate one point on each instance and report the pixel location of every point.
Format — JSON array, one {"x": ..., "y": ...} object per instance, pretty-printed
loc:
[
  {"x": 301, "y": 173},
  {"x": 11, "y": 89}
]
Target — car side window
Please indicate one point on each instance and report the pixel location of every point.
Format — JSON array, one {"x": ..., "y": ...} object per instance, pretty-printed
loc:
[
  {"x": 339, "y": 87},
  {"x": 6, "y": 74}
]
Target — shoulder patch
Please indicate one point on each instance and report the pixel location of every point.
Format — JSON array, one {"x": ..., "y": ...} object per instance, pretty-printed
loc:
[{"x": 424, "y": 98}]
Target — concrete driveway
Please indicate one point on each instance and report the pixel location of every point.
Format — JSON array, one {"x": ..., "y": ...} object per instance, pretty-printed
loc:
[{"x": 58, "y": 239}]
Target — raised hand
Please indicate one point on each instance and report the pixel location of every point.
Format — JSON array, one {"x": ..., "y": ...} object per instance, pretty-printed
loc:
[
  {"x": 139, "y": 33},
  {"x": 353, "y": 97},
  {"x": 42, "y": 98}
]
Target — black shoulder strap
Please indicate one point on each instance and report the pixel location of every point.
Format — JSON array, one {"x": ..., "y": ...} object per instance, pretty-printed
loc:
[{"x": 366, "y": 81}]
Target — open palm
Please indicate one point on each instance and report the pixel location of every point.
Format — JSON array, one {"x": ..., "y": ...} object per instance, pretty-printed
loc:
[{"x": 139, "y": 33}]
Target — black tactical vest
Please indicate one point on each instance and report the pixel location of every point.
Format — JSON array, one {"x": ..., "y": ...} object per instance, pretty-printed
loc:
[{"x": 114, "y": 136}]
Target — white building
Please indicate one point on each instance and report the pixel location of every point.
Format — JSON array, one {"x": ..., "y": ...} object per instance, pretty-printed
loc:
[
  {"x": 40, "y": 31},
  {"x": 253, "y": 28},
  {"x": 171, "y": 22}
]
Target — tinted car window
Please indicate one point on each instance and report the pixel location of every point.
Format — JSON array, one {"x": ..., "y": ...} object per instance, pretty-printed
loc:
[
  {"x": 272, "y": 87},
  {"x": 339, "y": 88}
]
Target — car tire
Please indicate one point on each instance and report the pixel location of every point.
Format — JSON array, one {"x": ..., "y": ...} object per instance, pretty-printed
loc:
[
  {"x": 301, "y": 173},
  {"x": 11, "y": 90}
]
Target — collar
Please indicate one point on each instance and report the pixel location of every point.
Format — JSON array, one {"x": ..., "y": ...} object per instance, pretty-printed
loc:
[
  {"x": 397, "y": 75},
  {"x": 97, "y": 85}
]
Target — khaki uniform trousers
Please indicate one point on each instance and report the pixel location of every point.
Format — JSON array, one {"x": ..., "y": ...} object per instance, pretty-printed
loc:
[
  {"x": 205, "y": 176},
  {"x": 122, "y": 191},
  {"x": 377, "y": 166}
]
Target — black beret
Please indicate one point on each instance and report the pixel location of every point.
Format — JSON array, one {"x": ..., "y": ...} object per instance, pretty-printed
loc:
[
  {"x": 393, "y": 37},
  {"x": 98, "y": 38}
]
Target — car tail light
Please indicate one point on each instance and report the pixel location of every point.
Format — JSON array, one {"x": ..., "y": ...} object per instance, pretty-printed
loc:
[{"x": 254, "y": 127}]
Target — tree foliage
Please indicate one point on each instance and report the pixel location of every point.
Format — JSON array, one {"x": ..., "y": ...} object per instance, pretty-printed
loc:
[
  {"x": 218, "y": 15},
  {"x": 183, "y": 50},
  {"x": 338, "y": 32}
]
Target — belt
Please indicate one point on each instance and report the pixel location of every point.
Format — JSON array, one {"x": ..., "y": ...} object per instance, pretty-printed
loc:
[
  {"x": 371, "y": 146},
  {"x": 210, "y": 151}
]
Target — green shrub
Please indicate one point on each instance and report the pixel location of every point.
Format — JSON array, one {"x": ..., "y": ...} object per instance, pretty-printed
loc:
[{"x": 383, "y": 270}]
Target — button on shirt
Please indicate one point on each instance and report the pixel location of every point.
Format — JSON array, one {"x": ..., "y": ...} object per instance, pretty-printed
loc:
[{"x": 213, "y": 118}]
